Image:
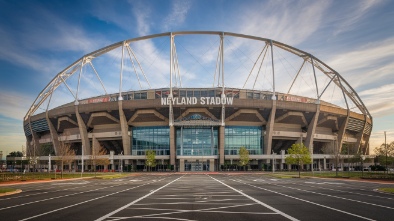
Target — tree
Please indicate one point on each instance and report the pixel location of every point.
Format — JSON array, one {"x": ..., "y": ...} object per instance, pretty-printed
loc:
[
  {"x": 97, "y": 157},
  {"x": 65, "y": 154},
  {"x": 243, "y": 157},
  {"x": 299, "y": 155},
  {"x": 385, "y": 155},
  {"x": 15, "y": 154},
  {"x": 150, "y": 158},
  {"x": 335, "y": 152}
]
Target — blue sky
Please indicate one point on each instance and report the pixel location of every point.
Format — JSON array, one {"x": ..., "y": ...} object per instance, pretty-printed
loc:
[{"x": 41, "y": 38}]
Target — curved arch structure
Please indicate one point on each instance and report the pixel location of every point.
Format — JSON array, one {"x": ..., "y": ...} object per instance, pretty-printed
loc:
[{"x": 111, "y": 119}]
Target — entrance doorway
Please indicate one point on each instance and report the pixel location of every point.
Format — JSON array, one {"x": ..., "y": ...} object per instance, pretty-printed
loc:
[{"x": 196, "y": 166}]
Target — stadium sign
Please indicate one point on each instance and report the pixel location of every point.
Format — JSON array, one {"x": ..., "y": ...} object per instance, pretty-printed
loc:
[{"x": 195, "y": 100}]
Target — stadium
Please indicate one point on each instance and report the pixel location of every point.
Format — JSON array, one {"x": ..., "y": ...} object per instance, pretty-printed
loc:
[{"x": 195, "y": 98}]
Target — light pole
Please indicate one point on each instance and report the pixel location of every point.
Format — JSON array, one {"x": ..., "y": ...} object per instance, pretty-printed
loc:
[
  {"x": 273, "y": 161},
  {"x": 385, "y": 144},
  {"x": 362, "y": 165},
  {"x": 49, "y": 164}
]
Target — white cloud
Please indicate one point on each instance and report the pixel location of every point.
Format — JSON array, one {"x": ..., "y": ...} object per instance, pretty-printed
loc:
[
  {"x": 179, "y": 10},
  {"x": 290, "y": 22},
  {"x": 142, "y": 14},
  {"x": 14, "y": 105},
  {"x": 347, "y": 20}
]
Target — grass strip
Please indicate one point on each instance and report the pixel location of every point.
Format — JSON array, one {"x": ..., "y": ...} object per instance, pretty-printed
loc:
[
  {"x": 387, "y": 190},
  {"x": 6, "y": 190}
]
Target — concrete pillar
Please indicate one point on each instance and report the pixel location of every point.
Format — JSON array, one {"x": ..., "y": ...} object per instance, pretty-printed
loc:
[
  {"x": 172, "y": 145},
  {"x": 221, "y": 146},
  {"x": 281, "y": 166},
  {"x": 324, "y": 164},
  {"x": 269, "y": 130},
  {"x": 182, "y": 165},
  {"x": 311, "y": 130},
  {"x": 83, "y": 133},
  {"x": 75, "y": 166},
  {"x": 54, "y": 135},
  {"x": 342, "y": 131},
  {"x": 127, "y": 145},
  {"x": 260, "y": 163},
  {"x": 360, "y": 136},
  {"x": 36, "y": 144},
  {"x": 211, "y": 165}
]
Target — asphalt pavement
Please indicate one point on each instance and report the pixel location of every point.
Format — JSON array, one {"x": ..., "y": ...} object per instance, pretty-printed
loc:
[{"x": 199, "y": 196}]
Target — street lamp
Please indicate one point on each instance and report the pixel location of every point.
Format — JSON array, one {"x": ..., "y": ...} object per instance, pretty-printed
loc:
[{"x": 362, "y": 165}]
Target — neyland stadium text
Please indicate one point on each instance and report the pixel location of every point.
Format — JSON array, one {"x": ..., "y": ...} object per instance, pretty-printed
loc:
[{"x": 195, "y": 100}]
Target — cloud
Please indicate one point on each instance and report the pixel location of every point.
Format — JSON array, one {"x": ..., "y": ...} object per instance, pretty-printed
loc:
[
  {"x": 179, "y": 10},
  {"x": 142, "y": 13},
  {"x": 348, "y": 20},
  {"x": 14, "y": 105},
  {"x": 291, "y": 23}
]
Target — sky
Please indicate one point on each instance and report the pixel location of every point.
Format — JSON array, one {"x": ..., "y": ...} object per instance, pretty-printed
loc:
[{"x": 41, "y": 38}]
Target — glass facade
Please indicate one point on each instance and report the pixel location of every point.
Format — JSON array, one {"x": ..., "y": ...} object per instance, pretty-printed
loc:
[
  {"x": 243, "y": 136},
  {"x": 197, "y": 141},
  {"x": 151, "y": 138}
]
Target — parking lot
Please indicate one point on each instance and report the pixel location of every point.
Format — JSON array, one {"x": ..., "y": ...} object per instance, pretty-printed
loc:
[{"x": 199, "y": 196}]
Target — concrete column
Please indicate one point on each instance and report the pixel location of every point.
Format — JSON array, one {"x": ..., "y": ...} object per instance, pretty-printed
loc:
[
  {"x": 211, "y": 165},
  {"x": 125, "y": 130},
  {"x": 36, "y": 144},
  {"x": 83, "y": 133},
  {"x": 360, "y": 136},
  {"x": 269, "y": 130},
  {"x": 319, "y": 165},
  {"x": 289, "y": 167},
  {"x": 182, "y": 165},
  {"x": 260, "y": 163},
  {"x": 75, "y": 166},
  {"x": 172, "y": 145},
  {"x": 281, "y": 166},
  {"x": 221, "y": 146},
  {"x": 311, "y": 130},
  {"x": 54, "y": 135},
  {"x": 342, "y": 131},
  {"x": 324, "y": 164}
]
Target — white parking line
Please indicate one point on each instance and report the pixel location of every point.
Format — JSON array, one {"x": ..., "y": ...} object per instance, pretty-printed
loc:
[
  {"x": 317, "y": 204},
  {"x": 134, "y": 202},
  {"x": 257, "y": 201},
  {"x": 66, "y": 207}
]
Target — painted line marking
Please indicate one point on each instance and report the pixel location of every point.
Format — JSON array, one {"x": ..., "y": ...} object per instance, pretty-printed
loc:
[
  {"x": 66, "y": 207},
  {"x": 257, "y": 201},
  {"x": 338, "y": 197},
  {"x": 135, "y": 201},
  {"x": 317, "y": 204}
]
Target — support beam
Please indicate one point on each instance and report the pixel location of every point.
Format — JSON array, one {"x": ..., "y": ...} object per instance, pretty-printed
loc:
[
  {"x": 125, "y": 131},
  {"x": 270, "y": 129},
  {"x": 221, "y": 146},
  {"x": 311, "y": 129},
  {"x": 360, "y": 137},
  {"x": 342, "y": 131},
  {"x": 172, "y": 145},
  {"x": 54, "y": 135},
  {"x": 83, "y": 133}
]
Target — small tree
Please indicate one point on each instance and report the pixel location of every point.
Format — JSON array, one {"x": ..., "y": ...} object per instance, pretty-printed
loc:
[
  {"x": 299, "y": 155},
  {"x": 243, "y": 157},
  {"x": 336, "y": 154},
  {"x": 150, "y": 158},
  {"x": 385, "y": 154},
  {"x": 97, "y": 157},
  {"x": 65, "y": 154}
]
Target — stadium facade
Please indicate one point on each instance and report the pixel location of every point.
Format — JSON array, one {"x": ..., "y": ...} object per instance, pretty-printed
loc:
[{"x": 199, "y": 128}]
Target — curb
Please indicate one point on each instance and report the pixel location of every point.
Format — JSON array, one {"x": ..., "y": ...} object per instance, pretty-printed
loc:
[{"x": 11, "y": 193}]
